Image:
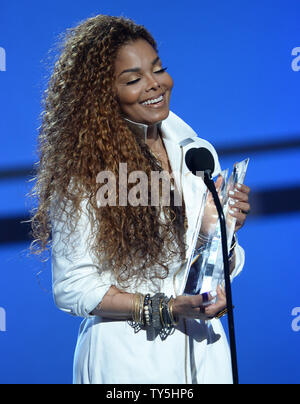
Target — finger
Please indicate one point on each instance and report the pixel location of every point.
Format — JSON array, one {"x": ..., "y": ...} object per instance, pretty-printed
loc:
[
  {"x": 241, "y": 196},
  {"x": 243, "y": 188},
  {"x": 221, "y": 303},
  {"x": 207, "y": 297},
  {"x": 221, "y": 291},
  {"x": 213, "y": 309},
  {"x": 243, "y": 206},
  {"x": 240, "y": 217},
  {"x": 200, "y": 300}
]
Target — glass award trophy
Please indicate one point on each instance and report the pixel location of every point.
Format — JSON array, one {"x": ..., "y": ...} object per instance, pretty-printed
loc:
[{"x": 205, "y": 267}]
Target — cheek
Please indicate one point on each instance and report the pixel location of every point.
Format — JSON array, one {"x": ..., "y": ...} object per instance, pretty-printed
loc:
[
  {"x": 169, "y": 81},
  {"x": 128, "y": 96}
]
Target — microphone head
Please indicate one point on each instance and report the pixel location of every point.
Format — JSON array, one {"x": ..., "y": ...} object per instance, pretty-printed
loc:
[{"x": 199, "y": 159}]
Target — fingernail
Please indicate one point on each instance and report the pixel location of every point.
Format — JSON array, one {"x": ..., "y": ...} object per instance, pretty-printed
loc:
[
  {"x": 232, "y": 202},
  {"x": 231, "y": 211},
  {"x": 213, "y": 293},
  {"x": 231, "y": 192},
  {"x": 239, "y": 186}
]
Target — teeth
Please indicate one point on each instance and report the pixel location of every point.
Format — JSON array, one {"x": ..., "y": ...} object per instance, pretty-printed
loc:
[{"x": 153, "y": 101}]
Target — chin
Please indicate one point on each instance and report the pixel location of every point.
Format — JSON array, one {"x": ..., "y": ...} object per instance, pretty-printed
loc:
[{"x": 157, "y": 118}]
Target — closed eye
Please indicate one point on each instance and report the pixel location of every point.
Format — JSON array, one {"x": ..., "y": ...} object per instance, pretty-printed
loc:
[
  {"x": 132, "y": 82},
  {"x": 138, "y": 79},
  {"x": 161, "y": 70}
]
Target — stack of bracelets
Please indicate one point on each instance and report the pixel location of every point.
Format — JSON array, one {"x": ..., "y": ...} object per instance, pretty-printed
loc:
[{"x": 154, "y": 313}]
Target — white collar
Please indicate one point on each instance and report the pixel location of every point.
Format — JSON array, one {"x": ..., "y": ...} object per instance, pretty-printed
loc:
[
  {"x": 172, "y": 128},
  {"x": 176, "y": 130},
  {"x": 140, "y": 128}
]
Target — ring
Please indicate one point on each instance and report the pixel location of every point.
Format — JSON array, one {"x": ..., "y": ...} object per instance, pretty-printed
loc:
[{"x": 205, "y": 297}]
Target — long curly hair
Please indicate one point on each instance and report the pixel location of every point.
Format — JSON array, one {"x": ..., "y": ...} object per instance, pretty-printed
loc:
[{"x": 83, "y": 133}]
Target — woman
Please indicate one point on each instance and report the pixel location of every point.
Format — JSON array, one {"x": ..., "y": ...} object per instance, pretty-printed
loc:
[{"x": 121, "y": 265}]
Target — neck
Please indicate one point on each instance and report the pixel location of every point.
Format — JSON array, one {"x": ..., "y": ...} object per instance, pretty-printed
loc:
[{"x": 149, "y": 132}]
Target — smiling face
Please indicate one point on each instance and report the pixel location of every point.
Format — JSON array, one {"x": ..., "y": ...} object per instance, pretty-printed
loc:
[{"x": 143, "y": 85}]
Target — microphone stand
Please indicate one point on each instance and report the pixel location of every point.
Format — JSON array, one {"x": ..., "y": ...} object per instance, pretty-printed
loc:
[{"x": 212, "y": 188}]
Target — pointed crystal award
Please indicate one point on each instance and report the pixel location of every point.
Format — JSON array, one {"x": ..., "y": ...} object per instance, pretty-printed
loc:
[{"x": 205, "y": 267}]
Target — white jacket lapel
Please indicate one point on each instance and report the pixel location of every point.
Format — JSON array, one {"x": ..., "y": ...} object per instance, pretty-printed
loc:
[{"x": 178, "y": 139}]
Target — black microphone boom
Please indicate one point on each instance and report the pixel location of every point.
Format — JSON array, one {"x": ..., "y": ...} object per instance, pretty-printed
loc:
[{"x": 201, "y": 160}]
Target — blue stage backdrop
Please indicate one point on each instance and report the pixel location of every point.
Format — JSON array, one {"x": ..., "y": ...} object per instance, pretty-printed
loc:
[{"x": 236, "y": 68}]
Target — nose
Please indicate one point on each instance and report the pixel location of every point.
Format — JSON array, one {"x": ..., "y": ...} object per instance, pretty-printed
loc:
[{"x": 152, "y": 83}]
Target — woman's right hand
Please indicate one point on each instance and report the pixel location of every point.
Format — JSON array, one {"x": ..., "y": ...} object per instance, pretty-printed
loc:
[{"x": 198, "y": 306}]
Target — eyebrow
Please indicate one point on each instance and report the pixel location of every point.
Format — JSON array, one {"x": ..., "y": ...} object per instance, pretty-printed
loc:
[{"x": 137, "y": 69}]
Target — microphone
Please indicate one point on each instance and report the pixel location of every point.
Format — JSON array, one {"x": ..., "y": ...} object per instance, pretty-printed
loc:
[{"x": 201, "y": 159}]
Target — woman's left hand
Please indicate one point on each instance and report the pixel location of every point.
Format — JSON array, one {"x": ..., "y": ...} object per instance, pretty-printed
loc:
[{"x": 239, "y": 204}]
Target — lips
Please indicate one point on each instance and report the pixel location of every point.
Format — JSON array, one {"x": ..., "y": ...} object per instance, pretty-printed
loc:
[{"x": 154, "y": 100}]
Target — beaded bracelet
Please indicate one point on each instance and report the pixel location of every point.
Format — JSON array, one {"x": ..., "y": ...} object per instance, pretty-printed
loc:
[{"x": 147, "y": 310}]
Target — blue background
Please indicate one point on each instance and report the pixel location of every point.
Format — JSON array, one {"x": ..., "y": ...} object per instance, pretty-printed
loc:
[{"x": 234, "y": 84}]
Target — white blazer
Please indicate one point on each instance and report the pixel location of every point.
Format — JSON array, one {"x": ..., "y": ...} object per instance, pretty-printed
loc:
[{"x": 108, "y": 351}]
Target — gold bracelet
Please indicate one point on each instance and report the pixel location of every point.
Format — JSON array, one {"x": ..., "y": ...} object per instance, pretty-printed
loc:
[
  {"x": 141, "y": 306},
  {"x": 234, "y": 244},
  {"x": 232, "y": 251},
  {"x": 134, "y": 311},
  {"x": 141, "y": 309},
  {"x": 137, "y": 307},
  {"x": 132, "y": 306},
  {"x": 160, "y": 313},
  {"x": 222, "y": 313},
  {"x": 170, "y": 304}
]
